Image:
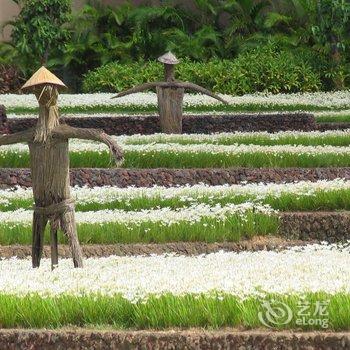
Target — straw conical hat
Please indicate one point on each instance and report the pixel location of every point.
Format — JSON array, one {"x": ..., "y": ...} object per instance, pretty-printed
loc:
[
  {"x": 168, "y": 58},
  {"x": 43, "y": 76}
]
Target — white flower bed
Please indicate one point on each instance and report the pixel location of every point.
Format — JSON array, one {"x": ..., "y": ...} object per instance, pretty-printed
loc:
[
  {"x": 339, "y": 99},
  {"x": 315, "y": 268},
  {"x": 229, "y": 149},
  {"x": 212, "y": 138},
  {"x": 81, "y": 146},
  {"x": 163, "y": 216},
  {"x": 131, "y": 113},
  {"x": 107, "y": 194}
]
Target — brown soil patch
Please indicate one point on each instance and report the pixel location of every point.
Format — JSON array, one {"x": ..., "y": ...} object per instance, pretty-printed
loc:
[
  {"x": 183, "y": 248},
  {"x": 171, "y": 339}
]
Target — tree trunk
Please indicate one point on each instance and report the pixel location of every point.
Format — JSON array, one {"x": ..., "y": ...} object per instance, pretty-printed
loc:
[{"x": 170, "y": 102}]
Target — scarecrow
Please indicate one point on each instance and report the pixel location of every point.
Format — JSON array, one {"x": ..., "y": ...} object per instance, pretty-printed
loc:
[
  {"x": 170, "y": 95},
  {"x": 49, "y": 163}
]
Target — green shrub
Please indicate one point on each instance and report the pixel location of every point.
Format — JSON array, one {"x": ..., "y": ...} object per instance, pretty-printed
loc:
[
  {"x": 268, "y": 69},
  {"x": 117, "y": 77},
  {"x": 264, "y": 69}
]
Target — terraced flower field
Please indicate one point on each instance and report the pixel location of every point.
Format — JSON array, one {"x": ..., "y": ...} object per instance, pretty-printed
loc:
[{"x": 245, "y": 289}]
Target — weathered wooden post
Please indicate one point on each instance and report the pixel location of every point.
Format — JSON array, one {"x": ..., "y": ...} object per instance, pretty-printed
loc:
[
  {"x": 170, "y": 95},
  {"x": 49, "y": 162},
  {"x": 170, "y": 98}
]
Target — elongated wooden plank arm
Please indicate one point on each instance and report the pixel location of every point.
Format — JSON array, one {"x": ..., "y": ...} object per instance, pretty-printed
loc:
[
  {"x": 174, "y": 84},
  {"x": 18, "y": 137},
  {"x": 139, "y": 88},
  {"x": 67, "y": 132},
  {"x": 195, "y": 87}
]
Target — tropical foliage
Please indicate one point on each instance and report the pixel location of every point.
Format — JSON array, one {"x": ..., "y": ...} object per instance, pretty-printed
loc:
[{"x": 201, "y": 30}]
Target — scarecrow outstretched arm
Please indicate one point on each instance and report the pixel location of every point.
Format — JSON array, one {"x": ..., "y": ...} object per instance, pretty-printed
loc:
[
  {"x": 202, "y": 90},
  {"x": 138, "y": 88},
  {"x": 174, "y": 84},
  {"x": 68, "y": 132},
  {"x": 18, "y": 137}
]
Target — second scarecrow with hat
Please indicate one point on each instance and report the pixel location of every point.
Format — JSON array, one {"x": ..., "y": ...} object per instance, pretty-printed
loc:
[
  {"x": 49, "y": 162},
  {"x": 170, "y": 95}
]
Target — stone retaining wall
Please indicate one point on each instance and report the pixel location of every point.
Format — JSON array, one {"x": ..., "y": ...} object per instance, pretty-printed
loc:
[
  {"x": 175, "y": 339},
  {"x": 128, "y": 125},
  {"x": 333, "y": 126},
  {"x": 325, "y": 226},
  {"x": 10, "y": 177}
]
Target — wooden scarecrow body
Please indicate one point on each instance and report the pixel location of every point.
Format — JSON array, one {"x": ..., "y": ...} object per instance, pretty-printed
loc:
[
  {"x": 49, "y": 162},
  {"x": 170, "y": 94}
]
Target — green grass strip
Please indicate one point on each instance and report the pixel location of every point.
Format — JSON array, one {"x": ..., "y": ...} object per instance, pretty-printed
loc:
[
  {"x": 333, "y": 119},
  {"x": 135, "y": 109},
  {"x": 168, "y": 311},
  {"x": 248, "y": 139},
  {"x": 320, "y": 200},
  {"x": 233, "y": 228},
  {"x": 166, "y": 159}
]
